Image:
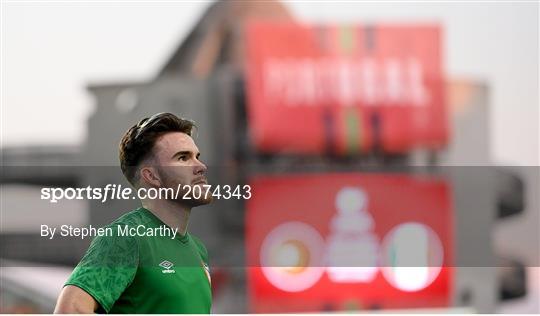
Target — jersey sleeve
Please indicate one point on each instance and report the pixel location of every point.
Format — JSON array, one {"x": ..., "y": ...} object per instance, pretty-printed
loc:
[{"x": 107, "y": 269}]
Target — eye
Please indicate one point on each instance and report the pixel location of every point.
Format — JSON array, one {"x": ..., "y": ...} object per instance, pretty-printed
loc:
[{"x": 183, "y": 158}]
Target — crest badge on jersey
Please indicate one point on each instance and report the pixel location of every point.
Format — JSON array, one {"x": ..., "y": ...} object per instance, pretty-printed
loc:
[{"x": 207, "y": 271}]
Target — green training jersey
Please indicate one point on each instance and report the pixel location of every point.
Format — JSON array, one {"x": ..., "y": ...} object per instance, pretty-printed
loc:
[{"x": 133, "y": 268}]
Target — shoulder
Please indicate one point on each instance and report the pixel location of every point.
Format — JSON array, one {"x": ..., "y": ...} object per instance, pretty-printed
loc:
[
  {"x": 200, "y": 245},
  {"x": 197, "y": 241},
  {"x": 115, "y": 244}
]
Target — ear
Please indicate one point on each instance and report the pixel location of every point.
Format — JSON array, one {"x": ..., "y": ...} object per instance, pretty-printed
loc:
[{"x": 150, "y": 176}]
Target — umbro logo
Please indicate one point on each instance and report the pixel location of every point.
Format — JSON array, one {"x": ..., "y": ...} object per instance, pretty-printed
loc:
[{"x": 167, "y": 265}]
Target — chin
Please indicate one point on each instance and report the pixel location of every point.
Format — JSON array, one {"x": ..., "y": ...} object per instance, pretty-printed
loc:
[{"x": 200, "y": 202}]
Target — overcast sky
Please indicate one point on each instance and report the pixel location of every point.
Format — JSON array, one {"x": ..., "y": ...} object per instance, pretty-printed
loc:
[{"x": 52, "y": 50}]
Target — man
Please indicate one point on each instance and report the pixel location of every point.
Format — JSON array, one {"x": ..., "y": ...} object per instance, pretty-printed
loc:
[{"x": 149, "y": 274}]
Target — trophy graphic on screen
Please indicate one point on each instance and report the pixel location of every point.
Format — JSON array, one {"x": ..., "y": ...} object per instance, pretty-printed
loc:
[{"x": 352, "y": 247}]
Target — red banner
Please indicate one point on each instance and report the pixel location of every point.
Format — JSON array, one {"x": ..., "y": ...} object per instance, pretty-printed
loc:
[
  {"x": 344, "y": 89},
  {"x": 348, "y": 242}
]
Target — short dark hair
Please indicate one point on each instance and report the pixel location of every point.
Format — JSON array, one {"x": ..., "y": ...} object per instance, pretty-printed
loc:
[{"x": 138, "y": 142}]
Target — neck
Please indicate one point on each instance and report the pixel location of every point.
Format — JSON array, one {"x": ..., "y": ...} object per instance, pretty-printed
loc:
[{"x": 176, "y": 216}]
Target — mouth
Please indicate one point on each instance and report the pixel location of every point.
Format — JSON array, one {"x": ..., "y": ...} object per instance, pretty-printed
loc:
[{"x": 200, "y": 181}]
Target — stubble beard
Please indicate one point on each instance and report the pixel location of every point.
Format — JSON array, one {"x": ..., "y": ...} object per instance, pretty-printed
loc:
[
  {"x": 186, "y": 196},
  {"x": 187, "y": 191}
]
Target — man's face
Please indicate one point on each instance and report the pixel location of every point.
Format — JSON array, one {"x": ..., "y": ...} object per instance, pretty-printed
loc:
[{"x": 177, "y": 162}]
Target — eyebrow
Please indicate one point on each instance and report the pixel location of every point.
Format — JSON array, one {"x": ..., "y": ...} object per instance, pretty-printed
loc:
[{"x": 184, "y": 152}]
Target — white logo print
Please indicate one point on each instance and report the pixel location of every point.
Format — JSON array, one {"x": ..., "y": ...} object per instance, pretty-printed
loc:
[{"x": 167, "y": 265}]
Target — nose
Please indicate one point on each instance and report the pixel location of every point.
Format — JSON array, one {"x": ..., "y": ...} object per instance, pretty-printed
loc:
[{"x": 200, "y": 168}]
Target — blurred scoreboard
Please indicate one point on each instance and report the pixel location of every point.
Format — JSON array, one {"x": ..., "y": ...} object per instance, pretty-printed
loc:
[
  {"x": 349, "y": 242},
  {"x": 345, "y": 89}
]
